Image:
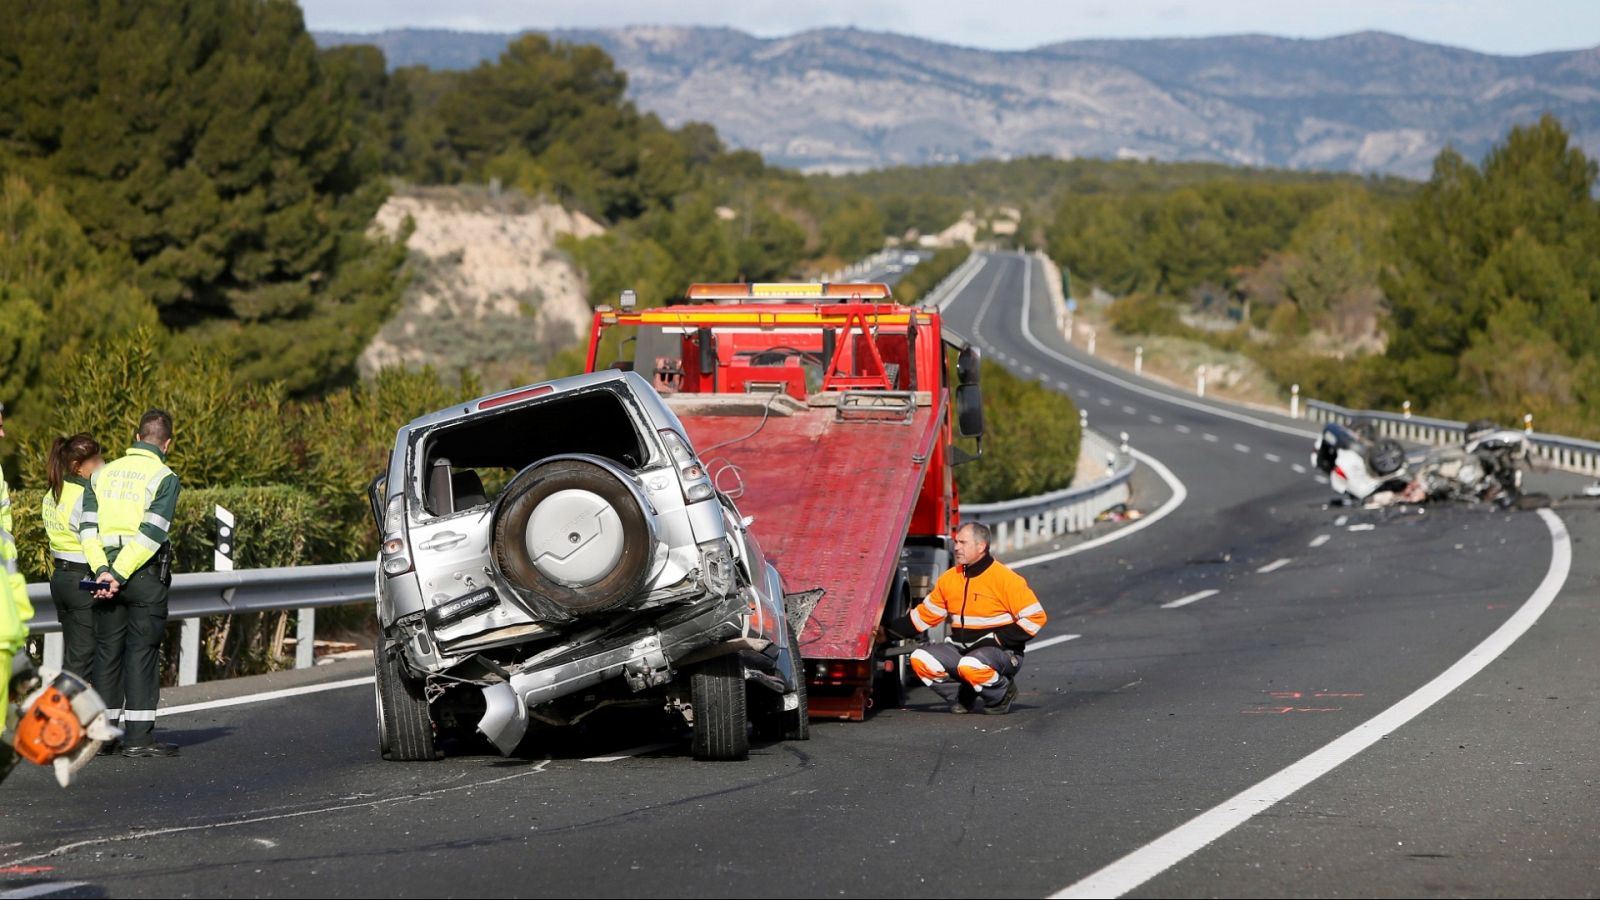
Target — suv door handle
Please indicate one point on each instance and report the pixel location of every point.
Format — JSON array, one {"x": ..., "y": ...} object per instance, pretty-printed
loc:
[{"x": 444, "y": 540}]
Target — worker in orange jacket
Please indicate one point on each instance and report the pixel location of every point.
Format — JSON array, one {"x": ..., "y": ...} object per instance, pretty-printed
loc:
[{"x": 993, "y": 614}]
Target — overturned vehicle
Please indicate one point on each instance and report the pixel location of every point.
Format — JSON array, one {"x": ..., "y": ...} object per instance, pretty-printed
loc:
[
  {"x": 1486, "y": 466},
  {"x": 553, "y": 550}
]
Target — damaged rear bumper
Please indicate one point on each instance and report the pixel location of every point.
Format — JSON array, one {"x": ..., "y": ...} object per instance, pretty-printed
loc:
[{"x": 644, "y": 658}]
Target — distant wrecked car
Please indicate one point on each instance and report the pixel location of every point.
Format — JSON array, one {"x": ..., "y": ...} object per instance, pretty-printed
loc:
[
  {"x": 559, "y": 548},
  {"x": 1486, "y": 466}
]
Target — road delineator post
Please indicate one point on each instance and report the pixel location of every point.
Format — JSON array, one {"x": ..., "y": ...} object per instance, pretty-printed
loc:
[
  {"x": 1200, "y": 382},
  {"x": 1294, "y": 401}
]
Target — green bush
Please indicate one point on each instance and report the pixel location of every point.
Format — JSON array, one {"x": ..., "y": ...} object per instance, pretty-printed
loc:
[
  {"x": 925, "y": 276},
  {"x": 1030, "y": 444}
]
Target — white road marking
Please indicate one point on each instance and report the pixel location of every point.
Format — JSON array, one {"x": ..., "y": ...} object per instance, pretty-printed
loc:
[
  {"x": 1241, "y": 448},
  {"x": 1365, "y": 526},
  {"x": 1298, "y": 468},
  {"x": 962, "y": 285},
  {"x": 1105, "y": 401},
  {"x": 1062, "y": 385},
  {"x": 263, "y": 697},
  {"x": 44, "y": 890},
  {"x": 1155, "y": 420},
  {"x": 1210, "y": 437},
  {"x": 1051, "y": 642},
  {"x": 1027, "y": 368},
  {"x": 1274, "y": 566},
  {"x": 140, "y": 834},
  {"x": 1318, "y": 541},
  {"x": 1185, "y": 601},
  {"x": 1182, "y": 429},
  {"x": 1272, "y": 457},
  {"x": 1083, "y": 393},
  {"x": 1179, "y": 494},
  {"x": 1340, "y": 522},
  {"x": 629, "y": 753},
  {"x": 1321, "y": 479},
  {"x": 1182, "y": 842},
  {"x": 1130, "y": 410},
  {"x": 1027, "y": 334}
]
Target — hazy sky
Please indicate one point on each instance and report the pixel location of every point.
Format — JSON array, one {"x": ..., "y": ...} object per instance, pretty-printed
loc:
[{"x": 1494, "y": 26}]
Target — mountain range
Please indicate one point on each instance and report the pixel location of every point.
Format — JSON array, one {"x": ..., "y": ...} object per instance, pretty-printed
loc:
[{"x": 844, "y": 99}]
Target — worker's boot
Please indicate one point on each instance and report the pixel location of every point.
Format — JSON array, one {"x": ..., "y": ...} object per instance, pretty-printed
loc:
[
  {"x": 1004, "y": 706},
  {"x": 150, "y": 749}
]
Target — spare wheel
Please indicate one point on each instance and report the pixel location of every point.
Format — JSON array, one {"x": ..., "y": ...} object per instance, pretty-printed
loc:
[{"x": 572, "y": 532}]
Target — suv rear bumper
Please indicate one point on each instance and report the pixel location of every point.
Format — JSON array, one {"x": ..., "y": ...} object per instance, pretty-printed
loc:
[{"x": 644, "y": 658}]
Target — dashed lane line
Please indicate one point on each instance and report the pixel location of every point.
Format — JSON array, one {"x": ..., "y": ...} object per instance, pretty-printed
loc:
[
  {"x": 1182, "y": 429},
  {"x": 1272, "y": 457},
  {"x": 1051, "y": 642},
  {"x": 1298, "y": 468},
  {"x": 1185, "y": 601},
  {"x": 1318, "y": 541},
  {"x": 1177, "y": 845},
  {"x": 1155, "y": 420},
  {"x": 1210, "y": 437},
  {"x": 1242, "y": 448},
  {"x": 1274, "y": 566}
]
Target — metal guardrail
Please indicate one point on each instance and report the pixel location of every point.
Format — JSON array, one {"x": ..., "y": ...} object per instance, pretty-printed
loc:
[
  {"x": 193, "y": 596},
  {"x": 943, "y": 292},
  {"x": 1558, "y": 451},
  {"x": 1028, "y": 520}
]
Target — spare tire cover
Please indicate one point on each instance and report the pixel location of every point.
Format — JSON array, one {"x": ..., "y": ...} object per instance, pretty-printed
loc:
[{"x": 571, "y": 532}]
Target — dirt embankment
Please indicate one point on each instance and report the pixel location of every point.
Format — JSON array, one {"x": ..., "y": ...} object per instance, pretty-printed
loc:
[{"x": 490, "y": 290}]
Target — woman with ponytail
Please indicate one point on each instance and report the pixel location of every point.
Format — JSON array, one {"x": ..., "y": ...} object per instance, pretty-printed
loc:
[{"x": 72, "y": 460}]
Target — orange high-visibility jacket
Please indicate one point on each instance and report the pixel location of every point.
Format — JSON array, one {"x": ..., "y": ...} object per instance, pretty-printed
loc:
[{"x": 981, "y": 600}]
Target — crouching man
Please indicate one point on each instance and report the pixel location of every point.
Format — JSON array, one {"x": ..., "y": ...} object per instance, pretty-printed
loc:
[{"x": 993, "y": 614}]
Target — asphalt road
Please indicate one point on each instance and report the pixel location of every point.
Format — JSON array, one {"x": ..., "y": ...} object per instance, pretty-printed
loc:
[{"x": 1169, "y": 702}]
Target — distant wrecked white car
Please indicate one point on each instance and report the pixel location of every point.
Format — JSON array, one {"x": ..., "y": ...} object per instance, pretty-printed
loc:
[{"x": 559, "y": 548}]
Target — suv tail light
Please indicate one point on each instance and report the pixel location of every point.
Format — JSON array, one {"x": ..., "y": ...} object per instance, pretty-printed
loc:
[
  {"x": 692, "y": 475},
  {"x": 394, "y": 550}
]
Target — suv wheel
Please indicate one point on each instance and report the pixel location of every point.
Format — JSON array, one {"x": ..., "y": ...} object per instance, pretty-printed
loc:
[
  {"x": 721, "y": 717},
  {"x": 405, "y": 730}
]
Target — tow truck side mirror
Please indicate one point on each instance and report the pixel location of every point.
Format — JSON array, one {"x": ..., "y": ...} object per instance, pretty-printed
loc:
[
  {"x": 969, "y": 410},
  {"x": 968, "y": 361}
]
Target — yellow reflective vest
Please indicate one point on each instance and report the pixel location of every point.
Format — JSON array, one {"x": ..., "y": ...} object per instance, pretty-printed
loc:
[{"x": 128, "y": 507}]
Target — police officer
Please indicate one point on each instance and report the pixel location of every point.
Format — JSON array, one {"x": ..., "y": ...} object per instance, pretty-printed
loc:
[
  {"x": 5, "y": 492},
  {"x": 127, "y": 510},
  {"x": 15, "y": 611},
  {"x": 71, "y": 462},
  {"x": 993, "y": 614}
]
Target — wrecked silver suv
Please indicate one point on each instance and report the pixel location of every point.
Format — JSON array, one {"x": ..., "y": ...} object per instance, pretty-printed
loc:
[{"x": 556, "y": 549}]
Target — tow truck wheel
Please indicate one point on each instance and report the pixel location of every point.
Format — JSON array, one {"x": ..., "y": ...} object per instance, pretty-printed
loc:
[
  {"x": 405, "y": 730},
  {"x": 721, "y": 717}
]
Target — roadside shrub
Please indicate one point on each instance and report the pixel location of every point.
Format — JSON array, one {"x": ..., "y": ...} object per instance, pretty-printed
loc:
[{"x": 1031, "y": 440}]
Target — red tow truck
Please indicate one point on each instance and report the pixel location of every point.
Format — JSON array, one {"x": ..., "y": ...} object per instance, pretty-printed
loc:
[{"x": 828, "y": 412}]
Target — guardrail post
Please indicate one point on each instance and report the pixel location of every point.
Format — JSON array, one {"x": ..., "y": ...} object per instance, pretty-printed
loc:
[
  {"x": 305, "y": 638},
  {"x": 1083, "y": 422},
  {"x": 1138, "y": 360},
  {"x": 1124, "y": 445},
  {"x": 1294, "y": 401},
  {"x": 1091, "y": 342},
  {"x": 1405, "y": 409},
  {"x": 1527, "y": 423},
  {"x": 55, "y": 650},
  {"x": 1200, "y": 382}
]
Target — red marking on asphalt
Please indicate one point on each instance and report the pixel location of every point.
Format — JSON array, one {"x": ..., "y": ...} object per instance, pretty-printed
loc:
[
  {"x": 1281, "y": 710},
  {"x": 25, "y": 870},
  {"x": 1337, "y": 694},
  {"x": 1285, "y": 695}
]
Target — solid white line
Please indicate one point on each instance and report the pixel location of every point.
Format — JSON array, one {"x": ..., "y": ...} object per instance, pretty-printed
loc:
[
  {"x": 628, "y": 754},
  {"x": 1274, "y": 566},
  {"x": 1210, "y": 437},
  {"x": 1051, "y": 642},
  {"x": 1182, "y": 429},
  {"x": 1319, "y": 540},
  {"x": 1298, "y": 468},
  {"x": 1027, "y": 334},
  {"x": 1272, "y": 457},
  {"x": 962, "y": 285},
  {"x": 43, "y": 890},
  {"x": 1179, "y": 494},
  {"x": 1241, "y": 448},
  {"x": 1185, "y": 601},
  {"x": 263, "y": 697},
  {"x": 1180, "y": 843}
]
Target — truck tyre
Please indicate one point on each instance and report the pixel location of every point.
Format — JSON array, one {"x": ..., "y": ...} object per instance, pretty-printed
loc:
[
  {"x": 571, "y": 532},
  {"x": 405, "y": 729},
  {"x": 892, "y": 689},
  {"x": 721, "y": 718}
]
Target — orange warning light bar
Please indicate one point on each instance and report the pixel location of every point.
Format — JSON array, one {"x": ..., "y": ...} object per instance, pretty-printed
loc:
[{"x": 798, "y": 290}]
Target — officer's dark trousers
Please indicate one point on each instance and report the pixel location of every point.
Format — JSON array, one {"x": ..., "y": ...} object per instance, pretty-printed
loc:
[
  {"x": 127, "y": 666},
  {"x": 967, "y": 678},
  {"x": 75, "y": 608}
]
